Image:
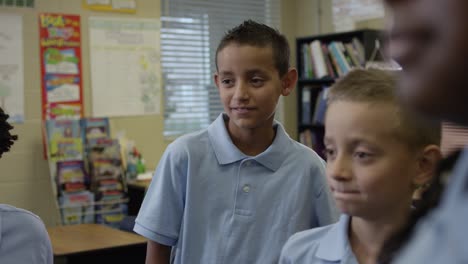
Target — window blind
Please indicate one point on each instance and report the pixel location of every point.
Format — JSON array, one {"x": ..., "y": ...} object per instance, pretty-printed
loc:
[{"x": 190, "y": 33}]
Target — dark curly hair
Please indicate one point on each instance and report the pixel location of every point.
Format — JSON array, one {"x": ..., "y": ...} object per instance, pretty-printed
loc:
[{"x": 6, "y": 139}]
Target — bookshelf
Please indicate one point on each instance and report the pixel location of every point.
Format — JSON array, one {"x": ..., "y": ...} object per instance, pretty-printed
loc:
[{"x": 321, "y": 60}]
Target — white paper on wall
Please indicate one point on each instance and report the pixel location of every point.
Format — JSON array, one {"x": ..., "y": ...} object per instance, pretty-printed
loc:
[
  {"x": 11, "y": 67},
  {"x": 125, "y": 66}
]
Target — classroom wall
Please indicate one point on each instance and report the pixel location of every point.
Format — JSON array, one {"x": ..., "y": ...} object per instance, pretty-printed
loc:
[
  {"x": 25, "y": 181},
  {"x": 348, "y": 13}
]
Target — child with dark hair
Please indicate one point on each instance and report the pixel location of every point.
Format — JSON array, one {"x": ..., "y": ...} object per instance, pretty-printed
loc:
[
  {"x": 23, "y": 237},
  {"x": 6, "y": 139},
  {"x": 235, "y": 192}
]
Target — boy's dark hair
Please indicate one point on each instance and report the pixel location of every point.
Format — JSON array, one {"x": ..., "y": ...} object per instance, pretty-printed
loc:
[
  {"x": 429, "y": 201},
  {"x": 259, "y": 35},
  {"x": 378, "y": 86},
  {"x": 6, "y": 139}
]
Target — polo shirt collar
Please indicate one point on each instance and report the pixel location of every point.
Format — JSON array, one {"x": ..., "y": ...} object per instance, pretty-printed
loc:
[
  {"x": 338, "y": 237},
  {"x": 277, "y": 152},
  {"x": 226, "y": 152}
]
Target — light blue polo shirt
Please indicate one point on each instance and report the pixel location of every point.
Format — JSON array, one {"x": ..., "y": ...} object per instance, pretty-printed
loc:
[
  {"x": 23, "y": 237},
  {"x": 442, "y": 236},
  {"x": 214, "y": 204},
  {"x": 323, "y": 245}
]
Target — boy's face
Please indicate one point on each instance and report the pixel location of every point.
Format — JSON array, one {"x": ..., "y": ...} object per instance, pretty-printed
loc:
[
  {"x": 249, "y": 85},
  {"x": 429, "y": 38},
  {"x": 370, "y": 172}
]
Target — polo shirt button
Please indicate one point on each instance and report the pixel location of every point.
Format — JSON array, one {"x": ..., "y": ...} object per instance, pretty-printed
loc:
[
  {"x": 248, "y": 163},
  {"x": 246, "y": 188}
]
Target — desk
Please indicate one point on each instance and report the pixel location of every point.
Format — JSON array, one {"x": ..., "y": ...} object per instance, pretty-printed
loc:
[
  {"x": 94, "y": 243},
  {"x": 136, "y": 193}
]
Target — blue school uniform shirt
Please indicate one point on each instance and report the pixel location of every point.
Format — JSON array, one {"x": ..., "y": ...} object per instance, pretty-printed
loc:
[
  {"x": 324, "y": 245},
  {"x": 214, "y": 204},
  {"x": 441, "y": 237},
  {"x": 23, "y": 237}
]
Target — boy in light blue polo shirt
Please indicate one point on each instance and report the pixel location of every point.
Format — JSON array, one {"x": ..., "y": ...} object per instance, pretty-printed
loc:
[
  {"x": 378, "y": 154},
  {"x": 235, "y": 192}
]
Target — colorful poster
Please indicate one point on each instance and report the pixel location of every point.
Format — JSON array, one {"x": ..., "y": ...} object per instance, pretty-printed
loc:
[
  {"x": 125, "y": 66},
  {"x": 60, "y": 51},
  {"x": 11, "y": 67}
]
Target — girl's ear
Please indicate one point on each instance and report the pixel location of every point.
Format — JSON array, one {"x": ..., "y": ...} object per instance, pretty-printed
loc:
[
  {"x": 427, "y": 165},
  {"x": 288, "y": 82}
]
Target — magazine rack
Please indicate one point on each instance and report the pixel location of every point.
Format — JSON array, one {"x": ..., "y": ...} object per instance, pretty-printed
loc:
[{"x": 86, "y": 171}]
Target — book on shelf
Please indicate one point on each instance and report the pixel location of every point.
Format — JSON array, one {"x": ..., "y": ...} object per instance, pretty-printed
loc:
[
  {"x": 63, "y": 128},
  {"x": 307, "y": 62},
  {"x": 110, "y": 209},
  {"x": 103, "y": 148},
  {"x": 331, "y": 59},
  {"x": 335, "y": 64},
  {"x": 345, "y": 54},
  {"x": 306, "y": 105},
  {"x": 318, "y": 59},
  {"x": 359, "y": 47},
  {"x": 320, "y": 107},
  {"x": 352, "y": 53},
  {"x": 64, "y": 140},
  {"x": 77, "y": 208},
  {"x": 71, "y": 176},
  {"x": 105, "y": 169},
  {"x": 328, "y": 61},
  {"x": 336, "y": 52},
  {"x": 95, "y": 128},
  {"x": 65, "y": 149}
]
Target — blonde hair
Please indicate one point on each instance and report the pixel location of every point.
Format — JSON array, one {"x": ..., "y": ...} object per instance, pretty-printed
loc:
[{"x": 379, "y": 87}]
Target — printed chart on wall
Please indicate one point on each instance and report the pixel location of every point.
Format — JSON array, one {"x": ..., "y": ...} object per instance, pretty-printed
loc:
[
  {"x": 125, "y": 66},
  {"x": 124, "y": 6},
  {"x": 11, "y": 67},
  {"x": 60, "y": 51}
]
